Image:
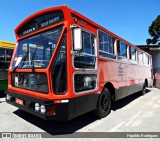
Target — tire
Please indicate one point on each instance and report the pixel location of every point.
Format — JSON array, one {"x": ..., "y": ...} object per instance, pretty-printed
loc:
[
  {"x": 143, "y": 92},
  {"x": 103, "y": 104}
]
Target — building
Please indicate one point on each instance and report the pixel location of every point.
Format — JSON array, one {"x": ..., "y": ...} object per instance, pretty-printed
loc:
[{"x": 6, "y": 50}]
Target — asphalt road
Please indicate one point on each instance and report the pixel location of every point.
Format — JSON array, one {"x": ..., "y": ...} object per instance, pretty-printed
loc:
[{"x": 132, "y": 114}]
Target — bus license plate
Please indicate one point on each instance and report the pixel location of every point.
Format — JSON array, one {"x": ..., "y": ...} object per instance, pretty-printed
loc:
[{"x": 19, "y": 101}]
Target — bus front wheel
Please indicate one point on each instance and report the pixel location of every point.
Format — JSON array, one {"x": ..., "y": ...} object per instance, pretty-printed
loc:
[{"x": 104, "y": 104}]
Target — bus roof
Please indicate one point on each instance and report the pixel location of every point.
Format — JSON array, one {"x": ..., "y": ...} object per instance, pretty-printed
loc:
[
  {"x": 106, "y": 30},
  {"x": 69, "y": 10},
  {"x": 5, "y": 44}
]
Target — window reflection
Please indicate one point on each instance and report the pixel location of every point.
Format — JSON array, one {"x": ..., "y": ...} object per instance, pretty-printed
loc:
[
  {"x": 37, "y": 50},
  {"x": 106, "y": 45},
  {"x": 86, "y": 57}
]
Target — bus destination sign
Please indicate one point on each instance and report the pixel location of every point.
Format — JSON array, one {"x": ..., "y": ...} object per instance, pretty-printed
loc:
[{"x": 41, "y": 22}]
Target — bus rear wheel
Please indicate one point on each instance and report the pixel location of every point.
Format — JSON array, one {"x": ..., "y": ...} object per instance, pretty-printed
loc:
[
  {"x": 104, "y": 104},
  {"x": 143, "y": 92}
]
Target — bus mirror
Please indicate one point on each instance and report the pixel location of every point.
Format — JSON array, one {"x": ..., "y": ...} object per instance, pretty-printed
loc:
[{"x": 77, "y": 39}]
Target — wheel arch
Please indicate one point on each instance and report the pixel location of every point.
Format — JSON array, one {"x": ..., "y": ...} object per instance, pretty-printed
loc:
[
  {"x": 111, "y": 89},
  {"x": 146, "y": 82}
]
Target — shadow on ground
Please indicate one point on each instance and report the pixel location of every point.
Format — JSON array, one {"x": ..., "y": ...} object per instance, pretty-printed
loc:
[
  {"x": 57, "y": 127},
  {"x": 125, "y": 101},
  {"x": 2, "y": 94},
  {"x": 69, "y": 127}
]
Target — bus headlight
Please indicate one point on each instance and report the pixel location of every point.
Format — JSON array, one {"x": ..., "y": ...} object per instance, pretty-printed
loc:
[
  {"x": 42, "y": 109},
  {"x": 37, "y": 107},
  {"x": 8, "y": 97}
]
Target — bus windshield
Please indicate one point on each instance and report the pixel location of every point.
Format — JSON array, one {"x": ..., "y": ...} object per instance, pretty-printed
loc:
[{"x": 37, "y": 50}]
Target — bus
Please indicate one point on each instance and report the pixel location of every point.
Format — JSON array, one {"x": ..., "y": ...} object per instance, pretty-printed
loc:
[
  {"x": 65, "y": 65},
  {"x": 6, "y": 50}
]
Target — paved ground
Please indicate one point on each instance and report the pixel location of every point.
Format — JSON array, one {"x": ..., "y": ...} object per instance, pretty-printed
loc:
[{"x": 132, "y": 114}]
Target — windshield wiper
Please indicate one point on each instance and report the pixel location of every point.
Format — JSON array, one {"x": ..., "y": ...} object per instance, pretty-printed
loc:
[
  {"x": 21, "y": 60},
  {"x": 32, "y": 61}
]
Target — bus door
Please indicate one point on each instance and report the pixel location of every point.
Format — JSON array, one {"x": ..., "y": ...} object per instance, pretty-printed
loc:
[{"x": 84, "y": 61}]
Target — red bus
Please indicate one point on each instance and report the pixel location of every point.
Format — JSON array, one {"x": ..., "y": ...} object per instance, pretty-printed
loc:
[{"x": 65, "y": 65}]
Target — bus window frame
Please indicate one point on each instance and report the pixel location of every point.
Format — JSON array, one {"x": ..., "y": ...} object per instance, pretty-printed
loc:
[
  {"x": 73, "y": 51},
  {"x": 38, "y": 32},
  {"x": 114, "y": 46},
  {"x": 141, "y": 63},
  {"x": 122, "y": 59},
  {"x": 136, "y": 59},
  {"x": 87, "y": 91},
  {"x": 65, "y": 36}
]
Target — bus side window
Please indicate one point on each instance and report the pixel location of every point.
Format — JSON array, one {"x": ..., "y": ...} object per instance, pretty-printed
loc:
[
  {"x": 140, "y": 57},
  {"x": 86, "y": 57},
  {"x": 122, "y": 51},
  {"x": 106, "y": 45},
  {"x": 150, "y": 61},
  {"x": 132, "y": 55},
  {"x": 145, "y": 59},
  {"x": 118, "y": 47}
]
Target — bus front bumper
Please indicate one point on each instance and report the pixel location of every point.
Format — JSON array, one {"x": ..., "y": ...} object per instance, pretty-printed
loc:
[{"x": 49, "y": 111}]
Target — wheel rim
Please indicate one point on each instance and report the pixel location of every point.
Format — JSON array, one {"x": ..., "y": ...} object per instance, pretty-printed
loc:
[{"x": 104, "y": 102}]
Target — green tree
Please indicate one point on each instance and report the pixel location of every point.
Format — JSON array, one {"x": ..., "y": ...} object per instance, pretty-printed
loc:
[{"x": 154, "y": 32}]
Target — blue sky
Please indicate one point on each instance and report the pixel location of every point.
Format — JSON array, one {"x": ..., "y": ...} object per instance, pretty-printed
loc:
[{"x": 129, "y": 19}]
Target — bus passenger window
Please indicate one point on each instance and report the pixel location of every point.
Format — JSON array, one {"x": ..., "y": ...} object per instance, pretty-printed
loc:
[
  {"x": 122, "y": 51},
  {"x": 132, "y": 53},
  {"x": 118, "y": 47},
  {"x": 86, "y": 57},
  {"x": 140, "y": 57},
  {"x": 150, "y": 61},
  {"x": 86, "y": 43},
  {"x": 106, "y": 45},
  {"x": 145, "y": 59}
]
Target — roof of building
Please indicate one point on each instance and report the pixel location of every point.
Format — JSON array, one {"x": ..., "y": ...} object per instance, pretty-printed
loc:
[
  {"x": 148, "y": 46},
  {"x": 5, "y": 44}
]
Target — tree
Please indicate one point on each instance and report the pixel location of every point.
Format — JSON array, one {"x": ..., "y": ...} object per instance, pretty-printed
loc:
[{"x": 154, "y": 32}]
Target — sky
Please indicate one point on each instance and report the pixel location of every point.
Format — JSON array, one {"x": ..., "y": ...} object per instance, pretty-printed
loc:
[{"x": 128, "y": 19}]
